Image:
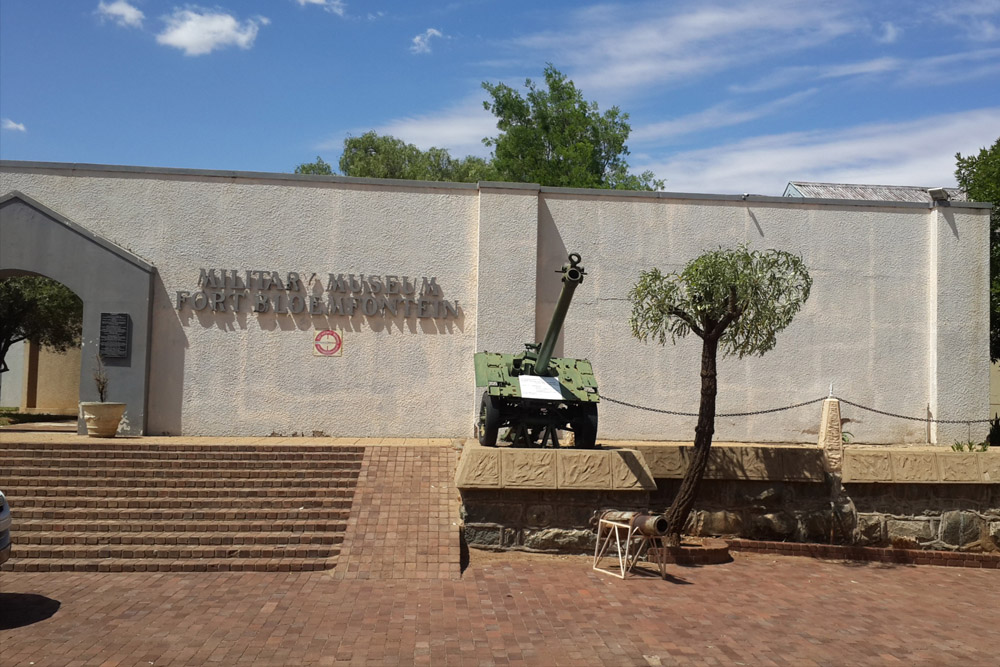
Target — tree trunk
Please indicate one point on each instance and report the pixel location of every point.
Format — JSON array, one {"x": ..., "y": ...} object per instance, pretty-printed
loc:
[{"x": 684, "y": 500}]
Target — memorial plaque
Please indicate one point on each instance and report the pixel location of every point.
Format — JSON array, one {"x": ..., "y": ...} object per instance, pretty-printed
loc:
[{"x": 115, "y": 335}]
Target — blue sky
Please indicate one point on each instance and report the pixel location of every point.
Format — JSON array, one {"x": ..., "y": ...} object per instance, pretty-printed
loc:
[{"x": 724, "y": 97}]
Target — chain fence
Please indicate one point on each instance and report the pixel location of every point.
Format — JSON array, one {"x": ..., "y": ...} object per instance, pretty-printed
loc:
[{"x": 926, "y": 420}]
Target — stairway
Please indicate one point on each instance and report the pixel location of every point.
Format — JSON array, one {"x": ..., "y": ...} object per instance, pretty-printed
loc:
[{"x": 120, "y": 506}]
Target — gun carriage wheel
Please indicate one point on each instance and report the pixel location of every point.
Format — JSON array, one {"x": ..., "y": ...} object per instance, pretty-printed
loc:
[{"x": 488, "y": 425}]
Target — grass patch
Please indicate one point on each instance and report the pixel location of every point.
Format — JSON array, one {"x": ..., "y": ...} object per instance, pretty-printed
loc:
[{"x": 10, "y": 416}]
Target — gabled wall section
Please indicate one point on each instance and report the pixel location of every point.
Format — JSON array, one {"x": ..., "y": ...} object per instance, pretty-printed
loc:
[{"x": 107, "y": 278}]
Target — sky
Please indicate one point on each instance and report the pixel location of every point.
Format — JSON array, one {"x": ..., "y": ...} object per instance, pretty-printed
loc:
[{"x": 726, "y": 96}]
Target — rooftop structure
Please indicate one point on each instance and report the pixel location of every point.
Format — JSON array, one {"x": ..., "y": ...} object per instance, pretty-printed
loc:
[{"x": 908, "y": 193}]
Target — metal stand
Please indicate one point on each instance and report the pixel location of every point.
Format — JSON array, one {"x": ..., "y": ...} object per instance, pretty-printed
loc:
[{"x": 630, "y": 545}]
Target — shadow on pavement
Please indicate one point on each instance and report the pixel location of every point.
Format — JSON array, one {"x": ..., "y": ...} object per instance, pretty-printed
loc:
[{"x": 20, "y": 609}]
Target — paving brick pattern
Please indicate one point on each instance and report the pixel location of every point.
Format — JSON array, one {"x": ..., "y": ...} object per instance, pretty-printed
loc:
[
  {"x": 512, "y": 610},
  {"x": 404, "y": 522}
]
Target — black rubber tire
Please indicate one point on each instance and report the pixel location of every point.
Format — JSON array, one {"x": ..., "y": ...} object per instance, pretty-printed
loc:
[
  {"x": 489, "y": 421},
  {"x": 585, "y": 427}
]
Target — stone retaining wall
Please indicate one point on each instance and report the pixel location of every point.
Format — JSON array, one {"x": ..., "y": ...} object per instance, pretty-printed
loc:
[{"x": 800, "y": 502}]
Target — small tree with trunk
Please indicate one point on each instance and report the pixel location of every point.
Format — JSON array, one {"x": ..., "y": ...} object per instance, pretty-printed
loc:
[
  {"x": 38, "y": 309},
  {"x": 733, "y": 299}
]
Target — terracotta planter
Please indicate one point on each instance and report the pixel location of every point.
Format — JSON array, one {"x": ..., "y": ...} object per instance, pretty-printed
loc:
[{"x": 102, "y": 418}]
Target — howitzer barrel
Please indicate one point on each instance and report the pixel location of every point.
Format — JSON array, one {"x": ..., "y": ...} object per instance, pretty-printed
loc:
[{"x": 572, "y": 276}]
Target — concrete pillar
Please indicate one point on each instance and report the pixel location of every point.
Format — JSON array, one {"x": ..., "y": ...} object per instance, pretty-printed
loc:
[
  {"x": 831, "y": 438},
  {"x": 508, "y": 250}
]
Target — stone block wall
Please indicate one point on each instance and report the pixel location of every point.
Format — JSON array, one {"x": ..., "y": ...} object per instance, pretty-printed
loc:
[
  {"x": 777, "y": 493},
  {"x": 540, "y": 520},
  {"x": 932, "y": 516}
]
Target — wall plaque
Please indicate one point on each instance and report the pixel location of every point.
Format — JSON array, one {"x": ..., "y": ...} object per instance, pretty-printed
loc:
[{"x": 115, "y": 335}]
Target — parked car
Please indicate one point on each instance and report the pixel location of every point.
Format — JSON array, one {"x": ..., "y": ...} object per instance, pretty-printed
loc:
[{"x": 4, "y": 528}]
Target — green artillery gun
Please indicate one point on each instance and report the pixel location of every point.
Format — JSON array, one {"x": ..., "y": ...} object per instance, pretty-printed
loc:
[{"x": 535, "y": 394}]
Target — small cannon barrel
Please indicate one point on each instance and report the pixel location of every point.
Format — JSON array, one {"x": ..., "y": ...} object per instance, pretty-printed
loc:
[
  {"x": 650, "y": 525},
  {"x": 572, "y": 276}
]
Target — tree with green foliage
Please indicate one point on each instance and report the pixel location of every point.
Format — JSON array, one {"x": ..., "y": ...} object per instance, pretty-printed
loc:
[
  {"x": 320, "y": 168},
  {"x": 40, "y": 310},
  {"x": 552, "y": 136},
  {"x": 979, "y": 176},
  {"x": 737, "y": 299},
  {"x": 383, "y": 156}
]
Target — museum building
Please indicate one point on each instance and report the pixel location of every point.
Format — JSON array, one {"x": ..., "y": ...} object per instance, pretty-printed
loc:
[{"x": 250, "y": 304}]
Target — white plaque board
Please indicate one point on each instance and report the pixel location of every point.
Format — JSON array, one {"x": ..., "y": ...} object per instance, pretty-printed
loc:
[{"x": 534, "y": 386}]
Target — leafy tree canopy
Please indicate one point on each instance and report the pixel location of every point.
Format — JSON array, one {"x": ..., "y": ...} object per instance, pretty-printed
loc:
[
  {"x": 552, "y": 136},
  {"x": 740, "y": 297},
  {"x": 979, "y": 176},
  {"x": 320, "y": 168},
  {"x": 38, "y": 309},
  {"x": 383, "y": 156}
]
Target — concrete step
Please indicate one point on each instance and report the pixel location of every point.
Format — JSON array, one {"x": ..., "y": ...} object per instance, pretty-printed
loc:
[
  {"x": 168, "y": 565},
  {"x": 125, "y": 445},
  {"x": 246, "y": 493},
  {"x": 214, "y": 538},
  {"x": 208, "y": 482},
  {"x": 17, "y": 451},
  {"x": 235, "y": 503},
  {"x": 118, "y": 507},
  {"x": 98, "y": 526},
  {"x": 175, "y": 552},
  {"x": 305, "y": 471},
  {"x": 21, "y": 463},
  {"x": 179, "y": 514}
]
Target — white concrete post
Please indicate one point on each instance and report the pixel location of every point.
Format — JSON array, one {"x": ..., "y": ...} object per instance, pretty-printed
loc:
[{"x": 831, "y": 438}]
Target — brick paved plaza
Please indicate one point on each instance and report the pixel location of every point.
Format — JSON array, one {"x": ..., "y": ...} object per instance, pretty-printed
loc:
[
  {"x": 398, "y": 596},
  {"x": 506, "y": 610}
]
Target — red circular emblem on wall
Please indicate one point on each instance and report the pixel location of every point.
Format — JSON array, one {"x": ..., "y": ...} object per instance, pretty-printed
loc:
[{"x": 328, "y": 343}]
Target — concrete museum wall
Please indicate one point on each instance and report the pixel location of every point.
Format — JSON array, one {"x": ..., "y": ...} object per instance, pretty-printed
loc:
[{"x": 897, "y": 320}]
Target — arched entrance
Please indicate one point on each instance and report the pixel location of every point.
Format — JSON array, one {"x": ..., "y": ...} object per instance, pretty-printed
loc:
[{"x": 115, "y": 286}]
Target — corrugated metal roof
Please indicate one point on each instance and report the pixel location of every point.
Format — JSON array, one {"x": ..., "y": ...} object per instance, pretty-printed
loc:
[{"x": 861, "y": 192}]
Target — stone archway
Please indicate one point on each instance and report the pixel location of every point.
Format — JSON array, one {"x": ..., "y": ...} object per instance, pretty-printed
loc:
[{"x": 116, "y": 288}]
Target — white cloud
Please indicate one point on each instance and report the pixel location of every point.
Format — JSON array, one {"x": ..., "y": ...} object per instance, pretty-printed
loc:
[
  {"x": 919, "y": 152},
  {"x": 459, "y": 128},
  {"x": 660, "y": 43},
  {"x": 978, "y": 19},
  {"x": 890, "y": 33},
  {"x": 946, "y": 69},
  {"x": 337, "y": 7},
  {"x": 122, "y": 13},
  {"x": 721, "y": 115},
  {"x": 422, "y": 43},
  {"x": 199, "y": 31},
  {"x": 8, "y": 124}
]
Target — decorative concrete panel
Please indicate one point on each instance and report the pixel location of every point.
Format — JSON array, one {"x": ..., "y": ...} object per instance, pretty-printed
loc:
[
  {"x": 759, "y": 463},
  {"x": 797, "y": 464},
  {"x": 725, "y": 463},
  {"x": 479, "y": 468},
  {"x": 583, "y": 470},
  {"x": 989, "y": 464},
  {"x": 528, "y": 468},
  {"x": 915, "y": 467},
  {"x": 867, "y": 467},
  {"x": 666, "y": 462},
  {"x": 959, "y": 467},
  {"x": 629, "y": 471}
]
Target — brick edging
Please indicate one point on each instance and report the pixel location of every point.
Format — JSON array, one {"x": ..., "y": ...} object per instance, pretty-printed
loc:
[{"x": 872, "y": 554}]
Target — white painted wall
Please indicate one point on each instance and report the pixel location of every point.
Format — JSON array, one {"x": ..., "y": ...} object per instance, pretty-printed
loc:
[{"x": 898, "y": 317}]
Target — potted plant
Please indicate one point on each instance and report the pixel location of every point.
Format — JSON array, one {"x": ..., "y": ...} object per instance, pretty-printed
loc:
[{"x": 102, "y": 417}]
